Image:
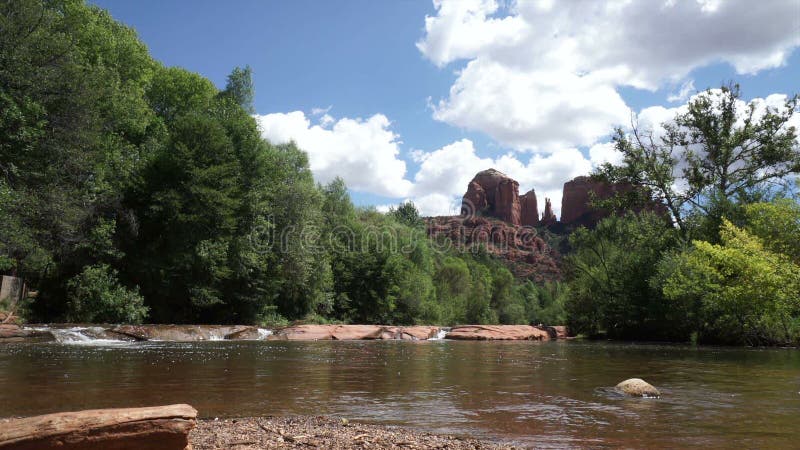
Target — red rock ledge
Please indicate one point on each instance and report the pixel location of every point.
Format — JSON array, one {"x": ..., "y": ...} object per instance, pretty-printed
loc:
[{"x": 498, "y": 333}]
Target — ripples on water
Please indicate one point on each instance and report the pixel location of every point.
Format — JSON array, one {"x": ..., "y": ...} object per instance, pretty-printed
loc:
[{"x": 553, "y": 394}]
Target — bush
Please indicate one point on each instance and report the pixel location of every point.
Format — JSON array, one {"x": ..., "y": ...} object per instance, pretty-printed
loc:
[{"x": 95, "y": 295}]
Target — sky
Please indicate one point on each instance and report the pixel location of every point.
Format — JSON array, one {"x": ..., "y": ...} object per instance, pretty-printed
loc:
[{"x": 407, "y": 100}]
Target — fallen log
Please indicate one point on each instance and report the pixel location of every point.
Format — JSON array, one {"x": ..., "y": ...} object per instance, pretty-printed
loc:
[{"x": 152, "y": 428}]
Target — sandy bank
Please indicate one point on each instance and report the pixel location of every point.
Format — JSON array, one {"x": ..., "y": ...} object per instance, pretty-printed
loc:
[{"x": 319, "y": 432}]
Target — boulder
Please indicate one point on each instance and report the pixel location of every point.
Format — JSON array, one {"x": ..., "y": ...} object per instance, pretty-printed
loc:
[
  {"x": 497, "y": 332},
  {"x": 152, "y": 428},
  {"x": 636, "y": 387}
]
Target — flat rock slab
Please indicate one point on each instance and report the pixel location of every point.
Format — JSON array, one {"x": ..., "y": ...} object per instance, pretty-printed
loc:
[
  {"x": 182, "y": 333},
  {"x": 152, "y": 428},
  {"x": 498, "y": 333},
  {"x": 353, "y": 333},
  {"x": 15, "y": 333}
]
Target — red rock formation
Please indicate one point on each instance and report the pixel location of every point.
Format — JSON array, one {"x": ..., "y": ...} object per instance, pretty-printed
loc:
[
  {"x": 579, "y": 193},
  {"x": 576, "y": 206},
  {"x": 529, "y": 210},
  {"x": 526, "y": 253},
  {"x": 353, "y": 333},
  {"x": 548, "y": 217},
  {"x": 497, "y": 332},
  {"x": 492, "y": 193}
]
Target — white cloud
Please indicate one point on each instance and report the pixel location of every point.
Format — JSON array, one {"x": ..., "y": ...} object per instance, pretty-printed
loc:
[
  {"x": 687, "y": 89},
  {"x": 363, "y": 152},
  {"x": 541, "y": 74},
  {"x": 445, "y": 173}
]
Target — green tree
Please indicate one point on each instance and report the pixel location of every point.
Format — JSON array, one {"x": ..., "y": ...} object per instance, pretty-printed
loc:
[
  {"x": 96, "y": 295},
  {"x": 240, "y": 88},
  {"x": 748, "y": 294},
  {"x": 777, "y": 224},
  {"x": 407, "y": 214},
  {"x": 610, "y": 272},
  {"x": 710, "y": 158}
]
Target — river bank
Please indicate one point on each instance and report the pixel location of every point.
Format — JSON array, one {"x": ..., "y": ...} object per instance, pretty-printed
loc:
[
  {"x": 105, "y": 333},
  {"x": 251, "y": 433}
]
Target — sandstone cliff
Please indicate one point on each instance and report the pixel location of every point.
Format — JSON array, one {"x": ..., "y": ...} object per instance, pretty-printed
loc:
[{"x": 492, "y": 193}]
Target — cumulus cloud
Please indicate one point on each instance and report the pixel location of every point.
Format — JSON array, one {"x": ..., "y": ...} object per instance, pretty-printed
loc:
[
  {"x": 366, "y": 153},
  {"x": 363, "y": 152},
  {"x": 541, "y": 75},
  {"x": 687, "y": 89},
  {"x": 445, "y": 173}
]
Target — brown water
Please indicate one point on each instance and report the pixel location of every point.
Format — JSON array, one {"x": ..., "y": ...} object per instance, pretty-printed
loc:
[{"x": 549, "y": 394}]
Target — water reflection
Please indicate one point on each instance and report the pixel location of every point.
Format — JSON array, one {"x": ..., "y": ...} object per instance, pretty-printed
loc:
[{"x": 551, "y": 394}]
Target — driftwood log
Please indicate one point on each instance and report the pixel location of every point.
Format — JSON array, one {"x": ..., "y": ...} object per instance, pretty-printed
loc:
[{"x": 152, "y": 428}]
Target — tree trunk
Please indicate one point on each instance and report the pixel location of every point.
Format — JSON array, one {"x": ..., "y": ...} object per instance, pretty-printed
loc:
[{"x": 152, "y": 428}]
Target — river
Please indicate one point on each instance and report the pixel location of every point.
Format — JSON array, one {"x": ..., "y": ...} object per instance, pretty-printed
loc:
[{"x": 550, "y": 394}]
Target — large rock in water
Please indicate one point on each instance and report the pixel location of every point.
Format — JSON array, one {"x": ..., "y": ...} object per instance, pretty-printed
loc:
[
  {"x": 492, "y": 193},
  {"x": 152, "y": 428},
  {"x": 182, "y": 333},
  {"x": 497, "y": 332},
  {"x": 637, "y": 387},
  {"x": 353, "y": 333}
]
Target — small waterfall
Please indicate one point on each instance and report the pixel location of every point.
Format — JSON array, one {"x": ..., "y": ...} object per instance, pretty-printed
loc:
[
  {"x": 263, "y": 334},
  {"x": 441, "y": 334},
  {"x": 79, "y": 336}
]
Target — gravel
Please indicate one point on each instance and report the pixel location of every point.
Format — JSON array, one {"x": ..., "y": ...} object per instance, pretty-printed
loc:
[{"x": 319, "y": 432}]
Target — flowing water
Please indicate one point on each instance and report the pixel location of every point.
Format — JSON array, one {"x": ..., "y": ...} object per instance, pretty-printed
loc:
[{"x": 552, "y": 394}]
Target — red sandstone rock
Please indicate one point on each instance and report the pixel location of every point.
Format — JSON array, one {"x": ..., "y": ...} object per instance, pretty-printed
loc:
[
  {"x": 548, "y": 217},
  {"x": 528, "y": 256},
  {"x": 494, "y": 194},
  {"x": 474, "y": 200},
  {"x": 178, "y": 333},
  {"x": 529, "y": 210},
  {"x": 353, "y": 332},
  {"x": 576, "y": 206},
  {"x": 153, "y": 428},
  {"x": 497, "y": 332}
]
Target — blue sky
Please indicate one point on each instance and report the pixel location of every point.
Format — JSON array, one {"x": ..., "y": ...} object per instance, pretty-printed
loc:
[{"x": 366, "y": 85}]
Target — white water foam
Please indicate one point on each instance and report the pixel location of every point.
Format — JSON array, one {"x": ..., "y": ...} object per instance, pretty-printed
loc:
[
  {"x": 441, "y": 334},
  {"x": 263, "y": 334},
  {"x": 78, "y": 336}
]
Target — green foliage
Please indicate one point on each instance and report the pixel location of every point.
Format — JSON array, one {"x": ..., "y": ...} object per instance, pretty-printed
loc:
[
  {"x": 721, "y": 151},
  {"x": 407, "y": 214},
  {"x": 240, "y": 88},
  {"x": 747, "y": 294},
  {"x": 96, "y": 295},
  {"x": 610, "y": 288},
  {"x": 777, "y": 224},
  {"x": 545, "y": 304}
]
